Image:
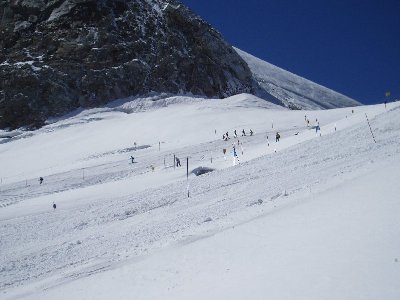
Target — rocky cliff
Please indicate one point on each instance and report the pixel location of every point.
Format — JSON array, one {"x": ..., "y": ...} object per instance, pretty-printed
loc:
[{"x": 59, "y": 55}]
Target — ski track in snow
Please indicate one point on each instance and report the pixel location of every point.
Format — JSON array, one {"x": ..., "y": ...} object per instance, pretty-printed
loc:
[{"x": 101, "y": 234}]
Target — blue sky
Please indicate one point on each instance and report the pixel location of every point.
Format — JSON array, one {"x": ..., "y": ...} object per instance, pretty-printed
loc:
[{"x": 351, "y": 46}]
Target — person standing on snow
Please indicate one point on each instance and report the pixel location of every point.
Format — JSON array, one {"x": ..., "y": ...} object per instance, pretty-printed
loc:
[
  {"x": 243, "y": 133},
  {"x": 251, "y": 132},
  {"x": 235, "y": 134},
  {"x": 316, "y": 125},
  {"x": 235, "y": 156},
  {"x": 178, "y": 162},
  {"x": 40, "y": 180},
  {"x": 278, "y": 136}
]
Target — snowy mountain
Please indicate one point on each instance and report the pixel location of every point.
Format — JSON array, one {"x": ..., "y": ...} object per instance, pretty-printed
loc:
[
  {"x": 313, "y": 216},
  {"x": 292, "y": 91},
  {"x": 56, "y": 56},
  {"x": 60, "y": 55}
]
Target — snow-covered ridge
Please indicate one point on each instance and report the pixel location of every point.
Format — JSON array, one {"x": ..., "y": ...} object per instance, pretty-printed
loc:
[{"x": 292, "y": 90}]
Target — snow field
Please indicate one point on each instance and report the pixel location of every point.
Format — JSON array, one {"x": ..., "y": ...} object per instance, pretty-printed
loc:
[{"x": 110, "y": 212}]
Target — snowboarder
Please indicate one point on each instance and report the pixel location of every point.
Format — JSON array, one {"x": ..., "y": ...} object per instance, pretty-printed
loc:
[
  {"x": 178, "y": 162},
  {"x": 54, "y": 206},
  {"x": 41, "y": 180},
  {"x": 278, "y": 136},
  {"x": 132, "y": 159},
  {"x": 243, "y": 133},
  {"x": 251, "y": 132}
]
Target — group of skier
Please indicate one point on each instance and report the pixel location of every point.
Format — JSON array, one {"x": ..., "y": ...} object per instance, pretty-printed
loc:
[{"x": 226, "y": 137}]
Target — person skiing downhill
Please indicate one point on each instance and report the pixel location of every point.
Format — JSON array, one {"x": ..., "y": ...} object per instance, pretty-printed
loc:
[
  {"x": 243, "y": 133},
  {"x": 278, "y": 136},
  {"x": 132, "y": 159}
]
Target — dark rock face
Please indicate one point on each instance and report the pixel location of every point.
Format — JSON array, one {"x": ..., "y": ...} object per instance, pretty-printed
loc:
[{"x": 58, "y": 55}]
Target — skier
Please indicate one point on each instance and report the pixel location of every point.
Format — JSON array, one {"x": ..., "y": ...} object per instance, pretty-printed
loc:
[
  {"x": 178, "y": 162},
  {"x": 41, "y": 180},
  {"x": 251, "y": 132},
  {"x": 235, "y": 156},
  {"x": 227, "y": 135},
  {"x": 278, "y": 136},
  {"x": 243, "y": 133},
  {"x": 316, "y": 125},
  {"x": 132, "y": 159},
  {"x": 54, "y": 206}
]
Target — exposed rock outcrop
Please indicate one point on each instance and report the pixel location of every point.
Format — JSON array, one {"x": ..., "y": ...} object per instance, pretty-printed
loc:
[{"x": 59, "y": 55}]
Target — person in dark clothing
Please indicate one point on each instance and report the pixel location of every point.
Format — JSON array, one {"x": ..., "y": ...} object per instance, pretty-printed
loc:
[
  {"x": 41, "y": 180},
  {"x": 235, "y": 133},
  {"x": 54, "y": 206},
  {"x": 243, "y": 133},
  {"x": 178, "y": 162},
  {"x": 132, "y": 159},
  {"x": 251, "y": 132},
  {"x": 278, "y": 136}
]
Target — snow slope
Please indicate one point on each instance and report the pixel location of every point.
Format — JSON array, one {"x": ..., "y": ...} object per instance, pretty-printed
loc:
[
  {"x": 313, "y": 216},
  {"x": 292, "y": 90}
]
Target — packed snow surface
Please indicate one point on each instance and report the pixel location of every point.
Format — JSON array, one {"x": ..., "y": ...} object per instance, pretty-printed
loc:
[{"x": 313, "y": 216}]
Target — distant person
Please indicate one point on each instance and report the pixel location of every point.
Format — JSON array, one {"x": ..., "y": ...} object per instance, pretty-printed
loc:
[
  {"x": 54, "y": 206},
  {"x": 251, "y": 132},
  {"x": 235, "y": 134},
  {"x": 243, "y": 133},
  {"x": 277, "y": 137},
  {"x": 235, "y": 156},
  {"x": 40, "y": 180},
  {"x": 178, "y": 162},
  {"x": 132, "y": 159},
  {"x": 316, "y": 125}
]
